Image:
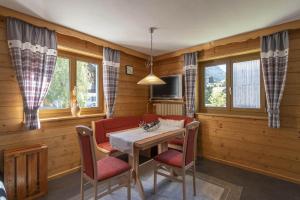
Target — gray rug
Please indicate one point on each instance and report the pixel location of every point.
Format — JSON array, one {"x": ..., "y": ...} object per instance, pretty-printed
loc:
[{"x": 207, "y": 187}]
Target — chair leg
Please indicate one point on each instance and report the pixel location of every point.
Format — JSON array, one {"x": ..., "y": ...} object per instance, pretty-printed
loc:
[
  {"x": 129, "y": 186},
  {"x": 81, "y": 186},
  {"x": 194, "y": 178},
  {"x": 183, "y": 185},
  {"x": 95, "y": 189},
  {"x": 109, "y": 186},
  {"x": 155, "y": 179}
]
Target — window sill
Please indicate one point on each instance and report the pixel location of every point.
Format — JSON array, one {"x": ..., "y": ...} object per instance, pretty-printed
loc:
[
  {"x": 64, "y": 118},
  {"x": 234, "y": 116}
]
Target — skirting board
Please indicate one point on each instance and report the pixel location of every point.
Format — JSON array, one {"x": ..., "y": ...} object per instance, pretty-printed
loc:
[
  {"x": 252, "y": 169},
  {"x": 63, "y": 173}
]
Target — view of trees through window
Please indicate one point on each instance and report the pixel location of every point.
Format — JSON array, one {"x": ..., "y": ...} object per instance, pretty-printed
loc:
[
  {"x": 215, "y": 86},
  {"x": 87, "y": 84},
  {"x": 58, "y": 95}
]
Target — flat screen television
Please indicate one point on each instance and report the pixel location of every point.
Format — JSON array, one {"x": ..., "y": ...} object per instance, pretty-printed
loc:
[{"x": 171, "y": 90}]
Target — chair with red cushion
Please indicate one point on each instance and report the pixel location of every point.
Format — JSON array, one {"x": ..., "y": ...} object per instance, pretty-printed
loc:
[
  {"x": 177, "y": 143},
  {"x": 101, "y": 171},
  {"x": 179, "y": 162}
]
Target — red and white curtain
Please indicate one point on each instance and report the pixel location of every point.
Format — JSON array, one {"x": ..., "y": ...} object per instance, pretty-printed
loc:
[
  {"x": 190, "y": 74},
  {"x": 111, "y": 65},
  {"x": 33, "y": 54},
  {"x": 274, "y": 59}
]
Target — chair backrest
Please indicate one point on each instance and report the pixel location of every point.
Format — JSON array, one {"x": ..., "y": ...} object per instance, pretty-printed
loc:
[
  {"x": 87, "y": 151},
  {"x": 190, "y": 142}
]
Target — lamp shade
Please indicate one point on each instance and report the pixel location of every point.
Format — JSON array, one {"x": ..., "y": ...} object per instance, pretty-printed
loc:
[{"x": 151, "y": 79}]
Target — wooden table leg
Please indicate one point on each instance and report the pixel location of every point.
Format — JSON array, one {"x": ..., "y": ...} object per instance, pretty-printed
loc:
[{"x": 134, "y": 163}]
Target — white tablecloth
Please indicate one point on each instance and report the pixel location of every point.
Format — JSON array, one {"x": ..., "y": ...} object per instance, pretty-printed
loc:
[{"x": 124, "y": 140}]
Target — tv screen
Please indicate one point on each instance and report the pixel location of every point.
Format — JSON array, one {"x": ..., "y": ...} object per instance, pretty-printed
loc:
[{"x": 171, "y": 90}]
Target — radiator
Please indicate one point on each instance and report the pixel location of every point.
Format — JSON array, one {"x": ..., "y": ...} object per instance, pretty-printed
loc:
[
  {"x": 25, "y": 172},
  {"x": 168, "y": 108}
]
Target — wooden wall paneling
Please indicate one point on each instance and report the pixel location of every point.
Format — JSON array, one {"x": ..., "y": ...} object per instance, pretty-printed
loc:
[{"x": 132, "y": 99}]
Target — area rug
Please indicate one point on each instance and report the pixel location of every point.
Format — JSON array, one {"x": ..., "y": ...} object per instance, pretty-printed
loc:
[{"x": 208, "y": 188}]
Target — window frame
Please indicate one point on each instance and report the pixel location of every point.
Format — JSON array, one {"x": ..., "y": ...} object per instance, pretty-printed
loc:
[
  {"x": 201, "y": 77},
  {"x": 229, "y": 109},
  {"x": 73, "y": 58}
]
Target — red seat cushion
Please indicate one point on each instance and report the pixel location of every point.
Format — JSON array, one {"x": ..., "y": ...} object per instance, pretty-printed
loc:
[
  {"x": 177, "y": 141},
  {"x": 106, "y": 146},
  {"x": 170, "y": 157},
  {"x": 110, "y": 166}
]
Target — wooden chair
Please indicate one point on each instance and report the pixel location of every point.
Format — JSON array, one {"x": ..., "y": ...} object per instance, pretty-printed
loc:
[
  {"x": 103, "y": 170},
  {"x": 179, "y": 162}
]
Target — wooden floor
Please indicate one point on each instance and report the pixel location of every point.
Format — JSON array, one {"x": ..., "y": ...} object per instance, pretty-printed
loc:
[{"x": 255, "y": 186}]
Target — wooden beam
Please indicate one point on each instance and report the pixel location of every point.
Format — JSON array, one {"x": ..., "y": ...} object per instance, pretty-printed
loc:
[
  {"x": 232, "y": 39},
  {"x": 6, "y": 12},
  {"x": 77, "y": 46}
]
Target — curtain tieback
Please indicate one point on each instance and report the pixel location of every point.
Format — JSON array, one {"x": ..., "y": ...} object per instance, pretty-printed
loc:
[{"x": 273, "y": 111}]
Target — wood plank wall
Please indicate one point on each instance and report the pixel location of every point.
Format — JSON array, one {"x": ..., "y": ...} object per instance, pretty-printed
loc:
[
  {"x": 248, "y": 142},
  {"x": 59, "y": 135}
]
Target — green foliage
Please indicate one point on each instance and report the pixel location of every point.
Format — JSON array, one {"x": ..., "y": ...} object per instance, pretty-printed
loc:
[
  {"x": 86, "y": 83},
  {"x": 215, "y": 94},
  {"x": 59, "y": 92}
]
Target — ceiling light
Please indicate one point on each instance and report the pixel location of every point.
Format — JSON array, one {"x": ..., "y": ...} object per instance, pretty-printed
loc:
[{"x": 151, "y": 79}]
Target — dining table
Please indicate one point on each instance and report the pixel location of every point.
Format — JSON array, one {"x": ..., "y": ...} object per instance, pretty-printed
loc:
[{"x": 133, "y": 141}]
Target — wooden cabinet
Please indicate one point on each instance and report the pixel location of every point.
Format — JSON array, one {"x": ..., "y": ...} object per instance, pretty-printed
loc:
[{"x": 25, "y": 172}]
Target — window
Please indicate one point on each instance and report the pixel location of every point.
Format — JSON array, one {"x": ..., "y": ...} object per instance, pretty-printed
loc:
[
  {"x": 246, "y": 84},
  {"x": 58, "y": 95},
  {"x": 215, "y": 86},
  {"x": 232, "y": 85},
  {"x": 74, "y": 71},
  {"x": 87, "y": 84}
]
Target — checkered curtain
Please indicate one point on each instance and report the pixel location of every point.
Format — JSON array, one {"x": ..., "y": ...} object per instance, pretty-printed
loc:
[
  {"x": 274, "y": 59},
  {"x": 111, "y": 65},
  {"x": 190, "y": 72},
  {"x": 33, "y": 54}
]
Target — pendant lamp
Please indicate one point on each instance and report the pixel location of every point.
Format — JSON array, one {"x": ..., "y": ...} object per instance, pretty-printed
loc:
[{"x": 151, "y": 79}]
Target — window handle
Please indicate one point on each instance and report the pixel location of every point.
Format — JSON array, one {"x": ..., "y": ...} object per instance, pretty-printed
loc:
[{"x": 229, "y": 89}]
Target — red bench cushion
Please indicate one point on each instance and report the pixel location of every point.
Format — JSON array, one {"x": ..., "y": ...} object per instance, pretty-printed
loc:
[
  {"x": 110, "y": 166},
  {"x": 106, "y": 146},
  {"x": 115, "y": 124}
]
